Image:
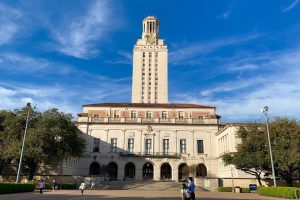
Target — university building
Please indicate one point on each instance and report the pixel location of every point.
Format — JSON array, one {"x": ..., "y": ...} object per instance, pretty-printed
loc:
[{"x": 150, "y": 138}]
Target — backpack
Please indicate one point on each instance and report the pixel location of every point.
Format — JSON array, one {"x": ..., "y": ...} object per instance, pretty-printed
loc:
[{"x": 186, "y": 194}]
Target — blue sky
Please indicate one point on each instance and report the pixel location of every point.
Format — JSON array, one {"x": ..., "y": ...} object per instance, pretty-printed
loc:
[{"x": 236, "y": 55}]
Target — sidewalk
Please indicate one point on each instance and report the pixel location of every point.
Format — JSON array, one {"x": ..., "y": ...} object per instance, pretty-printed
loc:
[{"x": 130, "y": 194}]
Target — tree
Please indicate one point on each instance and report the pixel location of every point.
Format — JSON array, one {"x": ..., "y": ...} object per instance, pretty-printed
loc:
[
  {"x": 285, "y": 140},
  {"x": 253, "y": 156},
  {"x": 252, "y": 153},
  {"x": 51, "y": 138}
]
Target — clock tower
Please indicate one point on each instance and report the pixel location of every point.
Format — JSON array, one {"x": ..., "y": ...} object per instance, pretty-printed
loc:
[{"x": 150, "y": 65}]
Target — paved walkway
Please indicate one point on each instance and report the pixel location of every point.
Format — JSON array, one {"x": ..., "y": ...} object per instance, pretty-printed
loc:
[{"x": 127, "y": 195}]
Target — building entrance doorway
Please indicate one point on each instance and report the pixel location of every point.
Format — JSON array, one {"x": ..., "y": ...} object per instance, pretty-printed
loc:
[
  {"x": 129, "y": 171},
  {"x": 183, "y": 172},
  {"x": 148, "y": 171},
  {"x": 201, "y": 171},
  {"x": 94, "y": 169},
  {"x": 112, "y": 171},
  {"x": 165, "y": 172}
]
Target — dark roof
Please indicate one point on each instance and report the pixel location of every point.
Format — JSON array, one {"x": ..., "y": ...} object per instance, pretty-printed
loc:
[{"x": 148, "y": 105}]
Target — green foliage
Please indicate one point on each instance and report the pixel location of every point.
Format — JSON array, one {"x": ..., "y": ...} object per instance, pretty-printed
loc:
[
  {"x": 283, "y": 192},
  {"x": 16, "y": 187},
  {"x": 229, "y": 189},
  {"x": 224, "y": 189},
  {"x": 245, "y": 190},
  {"x": 69, "y": 186},
  {"x": 285, "y": 140},
  {"x": 252, "y": 154},
  {"x": 51, "y": 138}
]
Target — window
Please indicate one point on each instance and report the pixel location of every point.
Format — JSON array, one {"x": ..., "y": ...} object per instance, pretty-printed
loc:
[
  {"x": 164, "y": 114},
  {"x": 133, "y": 114},
  {"x": 96, "y": 145},
  {"x": 130, "y": 145},
  {"x": 116, "y": 114},
  {"x": 113, "y": 144},
  {"x": 165, "y": 146},
  {"x": 183, "y": 146},
  {"x": 96, "y": 116},
  {"x": 148, "y": 114},
  {"x": 181, "y": 114},
  {"x": 200, "y": 146},
  {"x": 148, "y": 147}
]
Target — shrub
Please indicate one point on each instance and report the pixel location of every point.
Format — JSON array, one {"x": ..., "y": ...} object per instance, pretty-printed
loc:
[
  {"x": 229, "y": 189},
  {"x": 224, "y": 189},
  {"x": 16, "y": 187},
  {"x": 69, "y": 186},
  {"x": 245, "y": 190},
  {"x": 283, "y": 192}
]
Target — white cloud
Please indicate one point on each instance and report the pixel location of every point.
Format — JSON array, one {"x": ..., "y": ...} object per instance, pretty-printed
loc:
[
  {"x": 224, "y": 15},
  {"x": 124, "y": 58},
  {"x": 291, "y": 6},
  {"x": 241, "y": 99},
  {"x": 79, "y": 35},
  {"x": 190, "y": 54},
  {"x": 9, "y": 27},
  {"x": 16, "y": 63}
]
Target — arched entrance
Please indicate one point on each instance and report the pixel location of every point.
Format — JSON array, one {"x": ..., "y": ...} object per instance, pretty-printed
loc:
[
  {"x": 183, "y": 172},
  {"x": 129, "y": 171},
  {"x": 94, "y": 169},
  {"x": 201, "y": 170},
  {"x": 165, "y": 171},
  {"x": 148, "y": 171},
  {"x": 112, "y": 171}
]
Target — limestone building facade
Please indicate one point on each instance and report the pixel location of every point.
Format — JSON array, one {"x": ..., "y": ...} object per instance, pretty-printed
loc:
[{"x": 149, "y": 138}]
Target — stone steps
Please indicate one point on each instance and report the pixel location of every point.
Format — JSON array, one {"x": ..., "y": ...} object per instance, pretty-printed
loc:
[{"x": 141, "y": 185}]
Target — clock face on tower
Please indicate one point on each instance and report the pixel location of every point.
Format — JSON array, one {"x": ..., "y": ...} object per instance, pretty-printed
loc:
[{"x": 150, "y": 38}]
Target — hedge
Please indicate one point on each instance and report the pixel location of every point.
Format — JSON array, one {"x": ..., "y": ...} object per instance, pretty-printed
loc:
[
  {"x": 224, "y": 189},
  {"x": 283, "y": 192},
  {"x": 229, "y": 189},
  {"x": 16, "y": 187},
  {"x": 69, "y": 186}
]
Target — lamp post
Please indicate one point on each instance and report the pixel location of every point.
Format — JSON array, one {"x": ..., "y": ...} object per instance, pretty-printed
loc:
[
  {"x": 28, "y": 106},
  {"x": 58, "y": 139},
  {"x": 265, "y": 112}
]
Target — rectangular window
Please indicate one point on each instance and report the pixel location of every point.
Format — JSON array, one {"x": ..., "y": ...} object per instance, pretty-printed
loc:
[
  {"x": 183, "y": 146},
  {"x": 133, "y": 114},
  {"x": 164, "y": 114},
  {"x": 130, "y": 145},
  {"x": 113, "y": 144},
  {"x": 116, "y": 114},
  {"x": 148, "y": 147},
  {"x": 96, "y": 145},
  {"x": 200, "y": 146},
  {"x": 181, "y": 114},
  {"x": 149, "y": 114},
  {"x": 165, "y": 146}
]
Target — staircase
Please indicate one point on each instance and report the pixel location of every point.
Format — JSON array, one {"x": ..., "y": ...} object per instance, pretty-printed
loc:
[{"x": 139, "y": 185}]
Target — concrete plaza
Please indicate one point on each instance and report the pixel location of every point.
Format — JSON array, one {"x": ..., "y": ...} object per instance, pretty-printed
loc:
[{"x": 127, "y": 195}]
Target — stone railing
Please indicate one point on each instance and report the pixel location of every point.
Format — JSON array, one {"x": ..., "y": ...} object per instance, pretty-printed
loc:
[{"x": 128, "y": 120}]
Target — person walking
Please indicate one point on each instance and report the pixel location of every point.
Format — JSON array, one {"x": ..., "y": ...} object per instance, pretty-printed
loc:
[
  {"x": 185, "y": 194},
  {"x": 53, "y": 184},
  {"x": 41, "y": 186},
  {"x": 82, "y": 187},
  {"x": 191, "y": 187},
  {"x": 93, "y": 185}
]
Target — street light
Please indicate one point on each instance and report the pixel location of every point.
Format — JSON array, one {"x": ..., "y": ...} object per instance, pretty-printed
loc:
[
  {"x": 28, "y": 106},
  {"x": 58, "y": 140},
  {"x": 265, "y": 112}
]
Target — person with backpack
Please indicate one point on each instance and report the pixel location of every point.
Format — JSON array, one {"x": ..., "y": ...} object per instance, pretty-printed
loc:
[
  {"x": 185, "y": 195},
  {"x": 191, "y": 188},
  {"x": 82, "y": 187}
]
